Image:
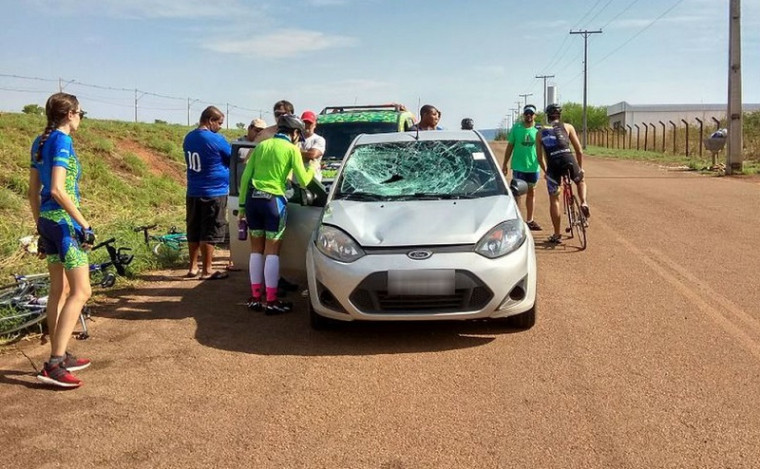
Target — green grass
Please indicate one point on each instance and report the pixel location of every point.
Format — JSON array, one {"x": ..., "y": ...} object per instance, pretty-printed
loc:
[
  {"x": 751, "y": 166},
  {"x": 119, "y": 187}
]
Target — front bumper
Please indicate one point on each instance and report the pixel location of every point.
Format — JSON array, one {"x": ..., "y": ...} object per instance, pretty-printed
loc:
[{"x": 359, "y": 290}]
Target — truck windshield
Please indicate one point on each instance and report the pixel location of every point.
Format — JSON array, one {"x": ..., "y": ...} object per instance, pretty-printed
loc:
[{"x": 339, "y": 135}]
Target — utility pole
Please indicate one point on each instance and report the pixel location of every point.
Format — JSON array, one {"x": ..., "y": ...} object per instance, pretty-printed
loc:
[
  {"x": 137, "y": 98},
  {"x": 734, "y": 112},
  {"x": 190, "y": 103},
  {"x": 514, "y": 115},
  {"x": 586, "y": 33},
  {"x": 525, "y": 96},
  {"x": 544, "y": 77},
  {"x": 227, "y": 120}
]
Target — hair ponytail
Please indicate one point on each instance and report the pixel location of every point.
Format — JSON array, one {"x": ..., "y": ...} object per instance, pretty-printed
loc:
[{"x": 57, "y": 110}]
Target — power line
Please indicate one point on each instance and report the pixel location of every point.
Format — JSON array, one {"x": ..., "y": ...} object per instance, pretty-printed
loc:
[
  {"x": 599, "y": 12},
  {"x": 585, "y": 34},
  {"x": 639, "y": 32}
]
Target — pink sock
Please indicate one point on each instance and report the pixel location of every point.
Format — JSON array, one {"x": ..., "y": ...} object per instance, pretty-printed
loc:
[
  {"x": 271, "y": 294},
  {"x": 256, "y": 290}
]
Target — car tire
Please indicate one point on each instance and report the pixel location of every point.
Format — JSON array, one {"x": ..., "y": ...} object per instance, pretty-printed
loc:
[
  {"x": 319, "y": 323},
  {"x": 524, "y": 320}
]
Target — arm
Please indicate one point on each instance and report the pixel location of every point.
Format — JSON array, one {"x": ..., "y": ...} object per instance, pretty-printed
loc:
[
  {"x": 225, "y": 149},
  {"x": 540, "y": 155},
  {"x": 576, "y": 144},
  {"x": 302, "y": 174},
  {"x": 245, "y": 181},
  {"x": 507, "y": 157},
  {"x": 317, "y": 149},
  {"x": 58, "y": 192},
  {"x": 35, "y": 186}
]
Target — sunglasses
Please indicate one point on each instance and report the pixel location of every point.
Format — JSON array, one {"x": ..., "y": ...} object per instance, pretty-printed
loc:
[
  {"x": 528, "y": 113},
  {"x": 81, "y": 113}
]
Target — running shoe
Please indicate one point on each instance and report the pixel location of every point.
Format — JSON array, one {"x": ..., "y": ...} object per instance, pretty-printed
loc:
[
  {"x": 533, "y": 226},
  {"x": 58, "y": 375},
  {"x": 255, "y": 304},
  {"x": 72, "y": 363},
  {"x": 278, "y": 307},
  {"x": 586, "y": 211}
]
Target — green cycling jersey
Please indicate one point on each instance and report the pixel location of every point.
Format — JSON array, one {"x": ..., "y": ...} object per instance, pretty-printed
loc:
[{"x": 270, "y": 164}]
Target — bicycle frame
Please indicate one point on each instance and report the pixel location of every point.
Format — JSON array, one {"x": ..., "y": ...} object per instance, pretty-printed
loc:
[{"x": 576, "y": 221}]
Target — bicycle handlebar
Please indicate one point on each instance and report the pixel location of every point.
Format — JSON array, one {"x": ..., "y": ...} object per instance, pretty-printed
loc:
[{"x": 104, "y": 243}]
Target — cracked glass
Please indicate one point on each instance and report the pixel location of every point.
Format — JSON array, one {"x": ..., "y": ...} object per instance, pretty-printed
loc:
[{"x": 420, "y": 170}]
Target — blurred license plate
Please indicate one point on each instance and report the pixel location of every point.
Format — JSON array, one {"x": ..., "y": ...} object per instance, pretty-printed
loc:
[{"x": 421, "y": 282}]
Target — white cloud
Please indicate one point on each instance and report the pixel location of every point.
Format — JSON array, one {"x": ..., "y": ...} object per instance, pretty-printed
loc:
[
  {"x": 149, "y": 9},
  {"x": 284, "y": 43}
]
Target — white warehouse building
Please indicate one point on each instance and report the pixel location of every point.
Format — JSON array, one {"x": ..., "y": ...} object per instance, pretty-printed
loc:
[{"x": 621, "y": 114}]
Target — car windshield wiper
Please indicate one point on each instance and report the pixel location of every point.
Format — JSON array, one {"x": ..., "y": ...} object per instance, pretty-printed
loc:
[{"x": 360, "y": 196}]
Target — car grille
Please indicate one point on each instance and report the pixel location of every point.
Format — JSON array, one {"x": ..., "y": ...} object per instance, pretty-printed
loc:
[{"x": 371, "y": 297}]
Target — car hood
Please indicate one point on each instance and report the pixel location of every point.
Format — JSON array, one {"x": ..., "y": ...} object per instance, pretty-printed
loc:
[{"x": 419, "y": 223}]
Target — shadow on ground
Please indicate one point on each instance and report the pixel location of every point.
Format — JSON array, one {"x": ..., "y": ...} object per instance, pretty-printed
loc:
[{"x": 224, "y": 322}]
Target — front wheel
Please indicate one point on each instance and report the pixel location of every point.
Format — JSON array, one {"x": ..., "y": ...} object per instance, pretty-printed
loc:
[{"x": 524, "y": 320}]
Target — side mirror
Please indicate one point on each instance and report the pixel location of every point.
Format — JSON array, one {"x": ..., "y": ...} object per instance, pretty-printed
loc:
[
  {"x": 307, "y": 197},
  {"x": 518, "y": 187}
]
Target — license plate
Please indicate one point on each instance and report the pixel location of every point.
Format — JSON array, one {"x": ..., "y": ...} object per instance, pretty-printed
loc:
[{"x": 421, "y": 282}]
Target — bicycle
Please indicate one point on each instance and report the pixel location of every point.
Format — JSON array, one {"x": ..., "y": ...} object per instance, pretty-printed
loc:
[
  {"x": 576, "y": 220},
  {"x": 24, "y": 302},
  {"x": 172, "y": 242}
]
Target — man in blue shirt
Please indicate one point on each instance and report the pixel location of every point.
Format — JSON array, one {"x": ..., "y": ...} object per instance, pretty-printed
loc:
[{"x": 207, "y": 155}]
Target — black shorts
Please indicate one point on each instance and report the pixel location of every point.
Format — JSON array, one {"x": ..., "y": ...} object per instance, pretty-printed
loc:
[
  {"x": 206, "y": 219},
  {"x": 558, "y": 166}
]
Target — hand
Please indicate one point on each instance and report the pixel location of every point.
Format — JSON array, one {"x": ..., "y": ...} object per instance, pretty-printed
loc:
[{"x": 86, "y": 237}]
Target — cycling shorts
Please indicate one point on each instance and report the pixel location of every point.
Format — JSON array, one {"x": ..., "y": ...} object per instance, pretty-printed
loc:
[
  {"x": 558, "y": 167},
  {"x": 266, "y": 214},
  {"x": 59, "y": 241},
  {"x": 531, "y": 178}
]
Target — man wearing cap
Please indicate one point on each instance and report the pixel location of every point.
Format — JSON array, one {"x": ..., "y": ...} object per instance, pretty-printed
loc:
[
  {"x": 254, "y": 129},
  {"x": 521, "y": 150},
  {"x": 312, "y": 145}
]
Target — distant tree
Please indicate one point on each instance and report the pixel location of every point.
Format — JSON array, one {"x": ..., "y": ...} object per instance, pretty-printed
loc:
[
  {"x": 159, "y": 121},
  {"x": 33, "y": 109},
  {"x": 596, "y": 116},
  {"x": 240, "y": 125},
  {"x": 501, "y": 134}
]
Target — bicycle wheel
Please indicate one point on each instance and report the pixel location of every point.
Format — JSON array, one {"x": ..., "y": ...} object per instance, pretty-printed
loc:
[
  {"x": 161, "y": 249},
  {"x": 568, "y": 203},
  {"x": 14, "y": 320},
  {"x": 578, "y": 222}
]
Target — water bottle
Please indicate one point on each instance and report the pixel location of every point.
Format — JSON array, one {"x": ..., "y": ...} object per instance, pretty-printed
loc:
[{"x": 242, "y": 229}]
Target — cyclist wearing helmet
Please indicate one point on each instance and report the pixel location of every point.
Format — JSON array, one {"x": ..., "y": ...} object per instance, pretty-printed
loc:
[
  {"x": 264, "y": 206},
  {"x": 468, "y": 124},
  {"x": 555, "y": 158}
]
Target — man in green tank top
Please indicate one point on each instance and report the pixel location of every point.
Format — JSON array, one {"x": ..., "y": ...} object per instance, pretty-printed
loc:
[{"x": 521, "y": 150}]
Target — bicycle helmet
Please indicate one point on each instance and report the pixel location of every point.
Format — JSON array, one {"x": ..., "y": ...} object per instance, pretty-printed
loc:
[
  {"x": 553, "y": 109},
  {"x": 290, "y": 122},
  {"x": 468, "y": 124}
]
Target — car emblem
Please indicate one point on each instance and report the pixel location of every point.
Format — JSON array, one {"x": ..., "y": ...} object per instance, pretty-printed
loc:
[{"x": 419, "y": 255}]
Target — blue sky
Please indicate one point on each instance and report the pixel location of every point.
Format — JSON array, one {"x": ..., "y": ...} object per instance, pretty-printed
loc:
[{"x": 469, "y": 58}]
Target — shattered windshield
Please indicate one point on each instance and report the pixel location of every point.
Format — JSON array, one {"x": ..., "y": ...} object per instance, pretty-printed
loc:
[{"x": 419, "y": 170}]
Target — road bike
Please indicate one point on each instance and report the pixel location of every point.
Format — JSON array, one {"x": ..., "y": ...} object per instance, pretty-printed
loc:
[
  {"x": 576, "y": 220},
  {"x": 170, "y": 243}
]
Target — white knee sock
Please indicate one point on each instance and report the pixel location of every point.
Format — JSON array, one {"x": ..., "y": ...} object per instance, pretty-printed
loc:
[
  {"x": 271, "y": 275},
  {"x": 256, "y": 273}
]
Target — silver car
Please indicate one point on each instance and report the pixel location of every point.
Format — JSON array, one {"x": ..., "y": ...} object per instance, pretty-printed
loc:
[{"x": 417, "y": 226}]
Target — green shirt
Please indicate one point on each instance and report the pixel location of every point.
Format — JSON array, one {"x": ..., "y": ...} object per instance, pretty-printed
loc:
[
  {"x": 270, "y": 164},
  {"x": 523, "y": 141}
]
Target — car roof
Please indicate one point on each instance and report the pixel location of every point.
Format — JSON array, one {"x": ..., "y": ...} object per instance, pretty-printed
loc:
[{"x": 425, "y": 135}]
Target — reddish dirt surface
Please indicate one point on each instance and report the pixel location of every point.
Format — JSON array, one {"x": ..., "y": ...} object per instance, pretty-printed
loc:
[
  {"x": 157, "y": 164},
  {"x": 646, "y": 354}
]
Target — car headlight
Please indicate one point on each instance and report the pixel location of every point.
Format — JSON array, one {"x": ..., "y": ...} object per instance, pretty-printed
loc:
[
  {"x": 502, "y": 239},
  {"x": 336, "y": 244}
]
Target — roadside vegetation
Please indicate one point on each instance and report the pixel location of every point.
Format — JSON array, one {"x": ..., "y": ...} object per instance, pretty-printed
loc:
[{"x": 134, "y": 173}]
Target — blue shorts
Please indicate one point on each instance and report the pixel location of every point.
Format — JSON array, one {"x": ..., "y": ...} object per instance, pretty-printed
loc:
[
  {"x": 530, "y": 178},
  {"x": 58, "y": 240},
  {"x": 266, "y": 214}
]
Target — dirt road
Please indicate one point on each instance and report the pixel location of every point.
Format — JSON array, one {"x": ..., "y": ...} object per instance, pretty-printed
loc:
[{"x": 646, "y": 354}]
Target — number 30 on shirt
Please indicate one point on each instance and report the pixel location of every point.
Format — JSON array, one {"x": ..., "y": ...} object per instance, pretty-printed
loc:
[{"x": 193, "y": 160}]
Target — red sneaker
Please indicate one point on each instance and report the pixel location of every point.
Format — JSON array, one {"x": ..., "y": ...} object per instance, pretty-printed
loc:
[
  {"x": 58, "y": 375},
  {"x": 72, "y": 363}
]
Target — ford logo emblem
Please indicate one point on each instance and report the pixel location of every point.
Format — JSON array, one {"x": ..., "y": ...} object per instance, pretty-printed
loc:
[{"x": 419, "y": 255}]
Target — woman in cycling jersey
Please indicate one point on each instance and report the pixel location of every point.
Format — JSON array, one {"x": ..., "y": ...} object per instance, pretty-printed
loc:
[
  {"x": 263, "y": 204},
  {"x": 65, "y": 234}
]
